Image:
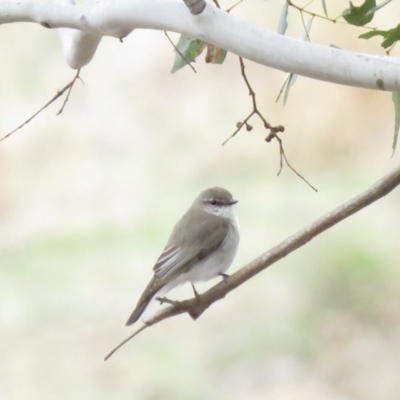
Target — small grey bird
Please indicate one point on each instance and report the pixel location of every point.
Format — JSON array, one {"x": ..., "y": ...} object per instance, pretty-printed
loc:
[{"x": 202, "y": 245}]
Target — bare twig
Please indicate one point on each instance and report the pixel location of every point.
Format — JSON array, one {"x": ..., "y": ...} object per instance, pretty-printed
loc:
[
  {"x": 230, "y": 8},
  {"x": 52, "y": 100},
  {"x": 233, "y": 6},
  {"x": 312, "y": 14},
  {"x": 142, "y": 328},
  {"x": 180, "y": 53},
  {"x": 255, "y": 111},
  {"x": 274, "y": 130},
  {"x": 283, "y": 157},
  {"x": 69, "y": 91},
  {"x": 196, "y": 306}
]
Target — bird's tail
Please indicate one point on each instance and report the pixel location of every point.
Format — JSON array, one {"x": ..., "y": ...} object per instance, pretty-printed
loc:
[{"x": 152, "y": 288}]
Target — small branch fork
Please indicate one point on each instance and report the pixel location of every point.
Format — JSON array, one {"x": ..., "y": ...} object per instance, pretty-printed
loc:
[
  {"x": 312, "y": 14},
  {"x": 67, "y": 88},
  {"x": 273, "y": 130},
  {"x": 196, "y": 306},
  {"x": 283, "y": 157}
]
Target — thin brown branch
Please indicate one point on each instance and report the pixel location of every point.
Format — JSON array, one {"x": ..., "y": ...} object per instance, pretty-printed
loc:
[
  {"x": 230, "y": 8},
  {"x": 251, "y": 91},
  {"x": 273, "y": 130},
  {"x": 196, "y": 306},
  {"x": 282, "y": 155},
  {"x": 52, "y": 100},
  {"x": 233, "y": 6},
  {"x": 240, "y": 124},
  {"x": 312, "y": 14},
  {"x": 69, "y": 91},
  {"x": 142, "y": 328}
]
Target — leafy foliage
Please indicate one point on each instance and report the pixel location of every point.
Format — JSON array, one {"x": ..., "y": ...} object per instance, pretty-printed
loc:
[
  {"x": 187, "y": 50},
  {"x": 390, "y": 36},
  {"x": 283, "y": 24},
  {"x": 361, "y": 15},
  {"x": 291, "y": 78}
]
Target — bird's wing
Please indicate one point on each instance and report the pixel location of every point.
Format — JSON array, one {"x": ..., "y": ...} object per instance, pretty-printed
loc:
[{"x": 188, "y": 248}]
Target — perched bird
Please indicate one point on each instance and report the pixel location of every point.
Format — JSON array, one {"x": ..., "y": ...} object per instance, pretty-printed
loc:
[{"x": 201, "y": 246}]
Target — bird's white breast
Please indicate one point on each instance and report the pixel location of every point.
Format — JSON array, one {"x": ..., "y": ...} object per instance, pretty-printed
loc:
[{"x": 221, "y": 259}]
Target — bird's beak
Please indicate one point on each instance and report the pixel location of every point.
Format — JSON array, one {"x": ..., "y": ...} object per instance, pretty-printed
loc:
[{"x": 232, "y": 202}]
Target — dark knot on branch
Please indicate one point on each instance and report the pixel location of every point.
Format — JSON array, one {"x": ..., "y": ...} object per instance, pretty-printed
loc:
[{"x": 195, "y": 6}]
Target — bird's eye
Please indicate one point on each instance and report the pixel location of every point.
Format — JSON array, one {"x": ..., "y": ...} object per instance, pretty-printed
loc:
[{"x": 213, "y": 202}]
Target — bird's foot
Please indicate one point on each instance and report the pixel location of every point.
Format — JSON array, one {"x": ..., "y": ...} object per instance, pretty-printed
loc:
[{"x": 165, "y": 300}]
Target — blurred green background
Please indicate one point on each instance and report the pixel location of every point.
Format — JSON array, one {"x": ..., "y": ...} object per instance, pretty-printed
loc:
[{"x": 88, "y": 199}]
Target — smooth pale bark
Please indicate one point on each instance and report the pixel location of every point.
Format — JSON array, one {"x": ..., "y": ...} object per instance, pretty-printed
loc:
[{"x": 119, "y": 18}]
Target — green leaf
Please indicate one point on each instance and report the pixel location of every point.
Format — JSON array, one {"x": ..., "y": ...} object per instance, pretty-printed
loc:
[
  {"x": 189, "y": 49},
  {"x": 361, "y": 15},
  {"x": 324, "y": 7},
  {"x": 282, "y": 25},
  {"x": 390, "y": 36},
  {"x": 396, "y": 101},
  {"x": 291, "y": 78},
  {"x": 291, "y": 81},
  {"x": 381, "y": 5},
  {"x": 370, "y": 34}
]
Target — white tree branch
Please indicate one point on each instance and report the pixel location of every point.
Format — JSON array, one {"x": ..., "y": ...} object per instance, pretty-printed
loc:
[{"x": 119, "y": 18}]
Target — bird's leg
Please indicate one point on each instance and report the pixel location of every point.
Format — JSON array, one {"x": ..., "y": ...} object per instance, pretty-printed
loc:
[
  {"x": 224, "y": 276},
  {"x": 163, "y": 300},
  {"x": 195, "y": 293}
]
